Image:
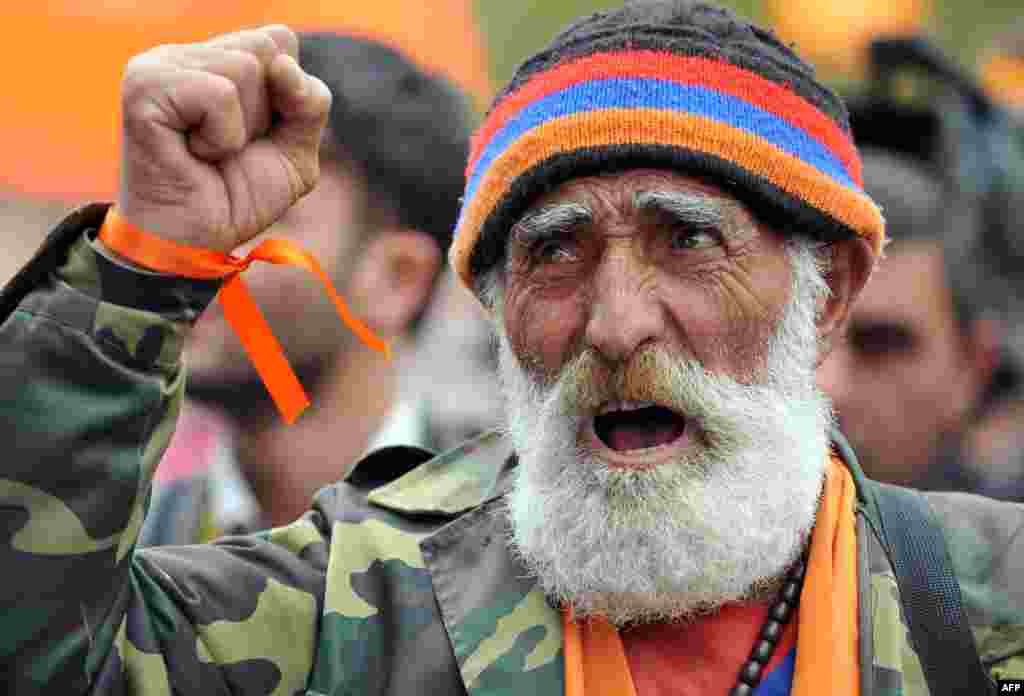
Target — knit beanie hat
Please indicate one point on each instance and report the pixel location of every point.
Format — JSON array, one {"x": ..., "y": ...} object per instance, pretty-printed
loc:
[{"x": 678, "y": 85}]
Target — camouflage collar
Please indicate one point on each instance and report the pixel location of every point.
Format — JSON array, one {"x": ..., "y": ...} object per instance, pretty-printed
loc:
[
  {"x": 454, "y": 482},
  {"x": 504, "y": 633}
]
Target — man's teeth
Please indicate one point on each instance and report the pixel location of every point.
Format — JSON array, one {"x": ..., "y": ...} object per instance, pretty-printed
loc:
[{"x": 624, "y": 406}]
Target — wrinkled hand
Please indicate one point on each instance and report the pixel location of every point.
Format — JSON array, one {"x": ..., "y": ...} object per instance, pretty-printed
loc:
[{"x": 220, "y": 138}]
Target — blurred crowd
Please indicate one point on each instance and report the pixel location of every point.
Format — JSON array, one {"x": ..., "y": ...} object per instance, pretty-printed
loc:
[{"x": 928, "y": 386}]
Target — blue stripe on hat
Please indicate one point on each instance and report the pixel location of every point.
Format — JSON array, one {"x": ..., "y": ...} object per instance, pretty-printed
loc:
[{"x": 662, "y": 94}]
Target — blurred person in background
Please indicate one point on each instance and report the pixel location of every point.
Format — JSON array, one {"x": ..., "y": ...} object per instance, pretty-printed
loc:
[
  {"x": 381, "y": 221},
  {"x": 924, "y": 359},
  {"x": 995, "y": 443},
  {"x": 453, "y": 374},
  {"x": 24, "y": 216}
]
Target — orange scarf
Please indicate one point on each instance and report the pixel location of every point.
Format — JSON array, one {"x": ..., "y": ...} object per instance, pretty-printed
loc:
[{"x": 826, "y": 654}]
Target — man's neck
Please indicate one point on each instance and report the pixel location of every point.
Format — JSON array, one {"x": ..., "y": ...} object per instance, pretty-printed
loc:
[
  {"x": 286, "y": 465},
  {"x": 702, "y": 657}
]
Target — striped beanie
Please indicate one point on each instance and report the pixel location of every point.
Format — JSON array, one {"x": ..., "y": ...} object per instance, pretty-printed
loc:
[{"x": 678, "y": 85}]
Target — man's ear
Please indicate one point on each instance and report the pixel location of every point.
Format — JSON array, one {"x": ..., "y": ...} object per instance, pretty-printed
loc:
[
  {"x": 394, "y": 277},
  {"x": 852, "y": 262}
]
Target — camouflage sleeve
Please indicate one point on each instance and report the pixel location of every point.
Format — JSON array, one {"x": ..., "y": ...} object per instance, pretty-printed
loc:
[{"x": 92, "y": 380}]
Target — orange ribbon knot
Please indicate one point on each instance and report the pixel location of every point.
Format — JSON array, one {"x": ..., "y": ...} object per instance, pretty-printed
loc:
[{"x": 240, "y": 309}]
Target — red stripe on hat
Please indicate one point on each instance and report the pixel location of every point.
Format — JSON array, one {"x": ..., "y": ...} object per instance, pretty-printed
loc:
[{"x": 690, "y": 70}]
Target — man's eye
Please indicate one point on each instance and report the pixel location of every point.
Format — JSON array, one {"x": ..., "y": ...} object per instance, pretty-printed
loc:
[
  {"x": 686, "y": 239},
  {"x": 554, "y": 251}
]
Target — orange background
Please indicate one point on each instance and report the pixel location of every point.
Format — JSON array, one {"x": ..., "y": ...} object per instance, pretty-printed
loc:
[{"x": 62, "y": 63}]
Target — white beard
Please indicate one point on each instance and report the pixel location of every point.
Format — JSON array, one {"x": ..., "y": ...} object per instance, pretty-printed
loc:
[{"x": 720, "y": 524}]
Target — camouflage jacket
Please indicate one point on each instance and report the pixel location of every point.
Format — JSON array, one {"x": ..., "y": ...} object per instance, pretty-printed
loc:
[
  {"x": 397, "y": 581},
  {"x": 200, "y": 492}
]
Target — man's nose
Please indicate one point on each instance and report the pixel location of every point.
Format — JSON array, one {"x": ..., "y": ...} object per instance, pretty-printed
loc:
[{"x": 626, "y": 310}]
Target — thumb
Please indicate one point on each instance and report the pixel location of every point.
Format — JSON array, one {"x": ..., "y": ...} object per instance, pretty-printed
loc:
[{"x": 302, "y": 104}]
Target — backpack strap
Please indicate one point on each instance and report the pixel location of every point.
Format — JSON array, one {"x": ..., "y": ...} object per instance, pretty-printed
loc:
[{"x": 929, "y": 591}]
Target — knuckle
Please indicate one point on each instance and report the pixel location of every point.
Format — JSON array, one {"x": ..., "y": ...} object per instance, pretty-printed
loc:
[
  {"x": 145, "y": 71},
  {"x": 164, "y": 54},
  {"x": 222, "y": 91},
  {"x": 139, "y": 94},
  {"x": 283, "y": 37},
  {"x": 136, "y": 65},
  {"x": 139, "y": 112},
  {"x": 260, "y": 44},
  {"x": 278, "y": 30},
  {"x": 137, "y": 71},
  {"x": 248, "y": 65},
  {"x": 220, "y": 39},
  {"x": 265, "y": 41}
]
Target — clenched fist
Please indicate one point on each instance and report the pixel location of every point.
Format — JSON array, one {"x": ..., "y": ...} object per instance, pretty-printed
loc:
[{"x": 220, "y": 138}]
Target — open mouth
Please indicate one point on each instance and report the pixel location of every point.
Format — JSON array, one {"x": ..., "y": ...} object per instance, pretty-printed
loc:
[{"x": 624, "y": 426}]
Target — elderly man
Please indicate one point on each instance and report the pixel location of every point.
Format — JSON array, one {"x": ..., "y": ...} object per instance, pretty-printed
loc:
[{"x": 663, "y": 213}]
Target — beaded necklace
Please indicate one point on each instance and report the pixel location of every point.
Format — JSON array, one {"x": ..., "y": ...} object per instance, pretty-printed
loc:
[{"x": 778, "y": 616}]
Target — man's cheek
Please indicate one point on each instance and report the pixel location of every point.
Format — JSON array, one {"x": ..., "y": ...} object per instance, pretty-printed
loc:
[{"x": 541, "y": 334}]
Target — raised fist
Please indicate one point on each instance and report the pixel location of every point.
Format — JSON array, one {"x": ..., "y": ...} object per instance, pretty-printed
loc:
[{"x": 220, "y": 138}]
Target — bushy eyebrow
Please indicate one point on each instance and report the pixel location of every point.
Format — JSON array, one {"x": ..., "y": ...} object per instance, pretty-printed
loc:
[
  {"x": 701, "y": 212},
  {"x": 549, "y": 222}
]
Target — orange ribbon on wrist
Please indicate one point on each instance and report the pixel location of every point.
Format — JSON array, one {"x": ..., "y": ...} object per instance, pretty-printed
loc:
[{"x": 240, "y": 310}]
